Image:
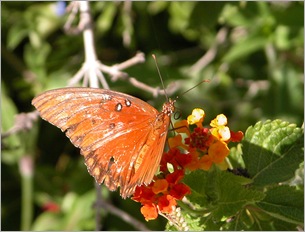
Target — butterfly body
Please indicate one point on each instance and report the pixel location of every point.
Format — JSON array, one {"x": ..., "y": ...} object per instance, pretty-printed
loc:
[{"x": 121, "y": 137}]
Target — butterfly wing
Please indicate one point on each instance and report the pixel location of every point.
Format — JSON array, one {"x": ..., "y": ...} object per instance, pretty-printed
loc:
[{"x": 121, "y": 137}]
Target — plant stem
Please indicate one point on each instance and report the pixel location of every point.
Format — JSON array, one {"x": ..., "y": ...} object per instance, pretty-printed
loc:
[{"x": 26, "y": 170}]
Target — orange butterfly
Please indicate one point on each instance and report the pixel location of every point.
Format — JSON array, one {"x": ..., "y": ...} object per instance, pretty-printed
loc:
[{"x": 121, "y": 137}]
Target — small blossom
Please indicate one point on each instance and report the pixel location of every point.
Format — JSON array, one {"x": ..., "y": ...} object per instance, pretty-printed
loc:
[
  {"x": 170, "y": 157},
  {"x": 182, "y": 127},
  {"x": 205, "y": 162},
  {"x": 166, "y": 202},
  {"x": 236, "y": 136},
  {"x": 144, "y": 194},
  {"x": 222, "y": 133},
  {"x": 51, "y": 207},
  {"x": 60, "y": 8},
  {"x": 220, "y": 120},
  {"x": 194, "y": 164},
  {"x": 149, "y": 211},
  {"x": 160, "y": 186},
  {"x": 175, "y": 177},
  {"x": 218, "y": 151},
  {"x": 176, "y": 141},
  {"x": 201, "y": 138},
  {"x": 196, "y": 117},
  {"x": 178, "y": 191}
]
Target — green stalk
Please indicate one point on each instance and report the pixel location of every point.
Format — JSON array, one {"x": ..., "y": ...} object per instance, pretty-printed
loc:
[{"x": 26, "y": 170}]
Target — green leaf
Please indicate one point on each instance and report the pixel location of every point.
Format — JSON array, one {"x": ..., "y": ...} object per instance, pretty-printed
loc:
[
  {"x": 180, "y": 13},
  {"x": 105, "y": 20},
  {"x": 16, "y": 34},
  {"x": 76, "y": 214},
  {"x": 11, "y": 145},
  {"x": 272, "y": 151},
  {"x": 206, "y": 14},
  {"x": 285, "y": 203},
  {"x": 219, "y": 193},
  {"x": 244, "y": 48}
]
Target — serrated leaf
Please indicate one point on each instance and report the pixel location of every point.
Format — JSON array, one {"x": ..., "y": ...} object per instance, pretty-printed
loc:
[
  {"x": 233, "y": 196},
  {"x": 193, "y": 223},
  {"x": 272, "y": 151},
  {"x": 285, "y": 203},
  {"x": 219, "y": 192}
]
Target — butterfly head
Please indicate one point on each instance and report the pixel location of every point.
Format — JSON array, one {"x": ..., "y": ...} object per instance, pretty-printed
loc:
[{"x": 169, "y": 107}]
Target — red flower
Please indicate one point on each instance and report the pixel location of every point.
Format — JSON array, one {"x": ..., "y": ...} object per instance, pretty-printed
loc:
[
  {"x": 179, "y": 190},
  {"x": 201, "y": 138},
  {"x": 166, "y": 203},
  {"x": 51, "y": 207},
  {"x": 144, "y": 194},
  {"x": 236, "y": 136},
  {"x": 175, "y": 177}
]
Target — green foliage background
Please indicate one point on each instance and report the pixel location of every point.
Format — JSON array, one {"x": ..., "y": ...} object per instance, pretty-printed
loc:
[{"x": 256, "y": 74}]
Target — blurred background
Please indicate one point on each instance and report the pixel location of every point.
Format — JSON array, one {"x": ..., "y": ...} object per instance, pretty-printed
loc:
[{"x": 252, "y": 53}]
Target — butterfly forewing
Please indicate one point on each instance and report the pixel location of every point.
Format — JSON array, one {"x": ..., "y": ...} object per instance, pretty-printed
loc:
[{"x": 120, "y": 136}]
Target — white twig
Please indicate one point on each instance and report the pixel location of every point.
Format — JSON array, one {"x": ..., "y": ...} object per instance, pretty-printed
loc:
[
  {"x": 211, "y": 53},
  {"x": 121, "y": 214},
  {"x": 92, "y": 71},
  {"x": 23, "y": 122}
]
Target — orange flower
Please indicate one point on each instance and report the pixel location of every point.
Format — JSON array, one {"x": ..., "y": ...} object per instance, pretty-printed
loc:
[
  {"x": 205, "y": 162},
  {"x": 182, "y": 127},
  {"x": 175, "y": 141},
  {"x": 218, "y": 151},
  {"x": 149, "y": 211},
  {"x": 160, "y": 186}
]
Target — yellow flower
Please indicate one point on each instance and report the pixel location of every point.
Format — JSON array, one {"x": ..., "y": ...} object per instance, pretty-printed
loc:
[
  {"x": 220, "y": 120},
  {"x": 221, "y": 132},
  {"x": 196, "y": 117}
]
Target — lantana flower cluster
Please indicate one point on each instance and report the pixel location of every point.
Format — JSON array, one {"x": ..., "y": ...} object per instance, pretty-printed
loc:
[{"x": 194, "y": 147}]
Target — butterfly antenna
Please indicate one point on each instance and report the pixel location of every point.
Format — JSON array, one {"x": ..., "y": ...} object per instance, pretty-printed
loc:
[
  {"x": 155, "y": 59},
  {"x": 195, "y": 86}
]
